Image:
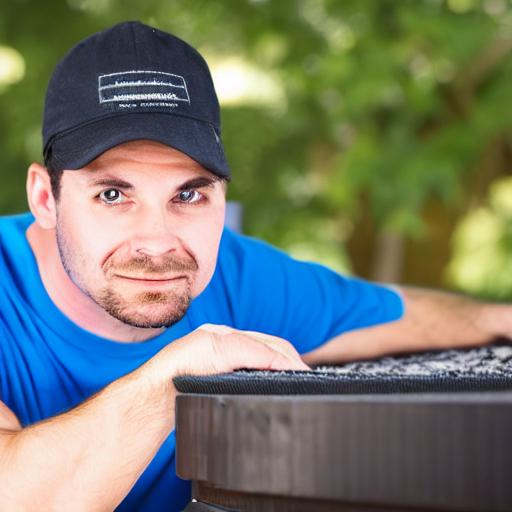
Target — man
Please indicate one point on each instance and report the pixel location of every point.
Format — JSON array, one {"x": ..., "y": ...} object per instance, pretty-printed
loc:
[{"x": 122, "y": 277}]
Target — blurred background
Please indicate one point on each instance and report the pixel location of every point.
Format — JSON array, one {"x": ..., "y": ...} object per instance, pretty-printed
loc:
[{"x": 374, "y": 136}]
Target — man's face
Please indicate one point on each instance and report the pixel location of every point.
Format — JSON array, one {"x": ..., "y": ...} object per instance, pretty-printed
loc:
[{"x": 138, "y": 231}]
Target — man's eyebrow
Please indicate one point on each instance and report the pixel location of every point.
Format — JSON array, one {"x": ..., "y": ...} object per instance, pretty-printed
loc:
[
  {"x": 114, "y": 182},
  {"x": 109, "y": 181},
  {"x": 200, "y": 182}
]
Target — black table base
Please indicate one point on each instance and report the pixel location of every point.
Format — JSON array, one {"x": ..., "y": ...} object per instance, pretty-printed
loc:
[
  {"x": 445, "y": 452},
  {"x": 217, "y": 500}
]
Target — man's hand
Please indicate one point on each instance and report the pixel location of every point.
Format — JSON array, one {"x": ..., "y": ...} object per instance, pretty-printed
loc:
[
  {"x": 212, "y": 349},
  {"x": 89, "y": 458}
]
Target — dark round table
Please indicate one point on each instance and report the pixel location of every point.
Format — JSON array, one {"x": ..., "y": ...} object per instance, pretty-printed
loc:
[{"x": 320, "y": 441}]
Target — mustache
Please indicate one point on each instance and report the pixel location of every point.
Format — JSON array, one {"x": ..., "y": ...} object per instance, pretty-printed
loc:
[{"x": 148, "y": 265}]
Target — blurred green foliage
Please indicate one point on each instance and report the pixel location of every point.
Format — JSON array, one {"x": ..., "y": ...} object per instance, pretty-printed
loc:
[
  {"x": 387, "y": 110},
  {"x": 482, "y": 262}
]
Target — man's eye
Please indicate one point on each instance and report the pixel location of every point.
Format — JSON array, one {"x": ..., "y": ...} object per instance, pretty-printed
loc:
[
  {"x": 189, "y": 196},
  {"x": 111, "y": 196}
]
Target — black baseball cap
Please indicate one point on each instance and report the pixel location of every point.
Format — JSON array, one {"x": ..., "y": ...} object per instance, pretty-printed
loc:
[{"x": 126, "y": 83}]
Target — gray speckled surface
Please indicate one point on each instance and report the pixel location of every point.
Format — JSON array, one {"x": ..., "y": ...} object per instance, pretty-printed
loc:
[{"x": 472, "y": 370}]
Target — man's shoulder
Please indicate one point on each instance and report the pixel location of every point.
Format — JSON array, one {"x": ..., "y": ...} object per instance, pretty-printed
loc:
[
  {"x": 242, "y": 251},
  {"x": 15, "y": 252},
  {"x": 243, "y": 247},
  {"x": 14, "y": 226}
]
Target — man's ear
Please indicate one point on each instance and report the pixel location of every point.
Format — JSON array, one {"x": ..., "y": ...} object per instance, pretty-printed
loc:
[{"x": 40, "y": 197}]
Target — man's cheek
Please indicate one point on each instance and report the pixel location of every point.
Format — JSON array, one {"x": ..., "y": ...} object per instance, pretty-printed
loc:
[
  {"x": 99, "y": 237},
  {"x": 207, "y": 240},
  {"x": 207, "y": 263}
]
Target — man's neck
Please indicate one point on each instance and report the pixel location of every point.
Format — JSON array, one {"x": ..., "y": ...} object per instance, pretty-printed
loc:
[{"x": 77, "y": 306}]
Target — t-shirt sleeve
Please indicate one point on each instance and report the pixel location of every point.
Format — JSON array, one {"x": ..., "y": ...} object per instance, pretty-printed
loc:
[{"x": 305, "y": 303}]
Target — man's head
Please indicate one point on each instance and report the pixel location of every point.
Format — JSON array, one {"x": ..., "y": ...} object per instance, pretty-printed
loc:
[{"x": 135, "y": 175}]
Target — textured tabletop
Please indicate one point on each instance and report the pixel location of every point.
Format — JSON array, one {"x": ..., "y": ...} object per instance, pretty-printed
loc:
[{"x": 480, "y": 369}]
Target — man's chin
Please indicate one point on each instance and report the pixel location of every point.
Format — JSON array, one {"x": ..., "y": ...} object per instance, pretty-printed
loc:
[
  {"x": 149, "y": 314},
  {"x": 148, "y": 320}
]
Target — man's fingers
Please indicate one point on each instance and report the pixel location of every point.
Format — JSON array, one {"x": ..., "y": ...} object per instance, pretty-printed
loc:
[
  {"x": 233, "y": 349},
  {"x": 274, "y": 341},
  {"x": 277, "y": 343},
  {"x": 248, "y": 352}
]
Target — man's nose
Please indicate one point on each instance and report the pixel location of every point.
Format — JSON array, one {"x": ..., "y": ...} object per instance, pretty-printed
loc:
[{"x": 155, "y": 234}]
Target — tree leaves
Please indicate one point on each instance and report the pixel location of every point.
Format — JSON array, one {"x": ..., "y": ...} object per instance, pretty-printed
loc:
[{"x": 387, "y": 106}]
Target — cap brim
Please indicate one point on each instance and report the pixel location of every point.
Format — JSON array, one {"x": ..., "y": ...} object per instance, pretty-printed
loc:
[{"x": 197, "y": 139}]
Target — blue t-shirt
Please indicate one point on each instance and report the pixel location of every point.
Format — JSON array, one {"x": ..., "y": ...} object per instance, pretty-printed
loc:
[{"x": 48, "y": 364}]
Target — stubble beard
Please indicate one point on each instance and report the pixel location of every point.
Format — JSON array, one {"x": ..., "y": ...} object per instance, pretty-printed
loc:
[
  {"x": 146, "y": 309},
  {"x": 150, "y": 309}
]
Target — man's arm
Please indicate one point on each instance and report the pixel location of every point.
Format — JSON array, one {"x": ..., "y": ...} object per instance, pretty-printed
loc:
[
  {"x": 90, "y": 457},
  {"x": 432, "y": 320}
]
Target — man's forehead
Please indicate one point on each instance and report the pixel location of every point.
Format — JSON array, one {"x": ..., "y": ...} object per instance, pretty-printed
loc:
[
  {"x": 144, "y": 152},
  {"x": 137, "y": 163}
]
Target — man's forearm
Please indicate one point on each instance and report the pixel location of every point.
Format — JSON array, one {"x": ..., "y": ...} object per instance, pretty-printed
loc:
[
  {"x": 437, "y": 319},
  {"x": 91, "y": 456},
  {"x": 432, "y": 320}
]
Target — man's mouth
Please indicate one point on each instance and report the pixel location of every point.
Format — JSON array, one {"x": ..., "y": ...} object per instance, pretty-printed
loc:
[{"x": 150, "y": 280}]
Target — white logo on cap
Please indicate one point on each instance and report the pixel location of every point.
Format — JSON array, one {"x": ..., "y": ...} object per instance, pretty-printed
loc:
[{"x": 131, "y": 89}]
